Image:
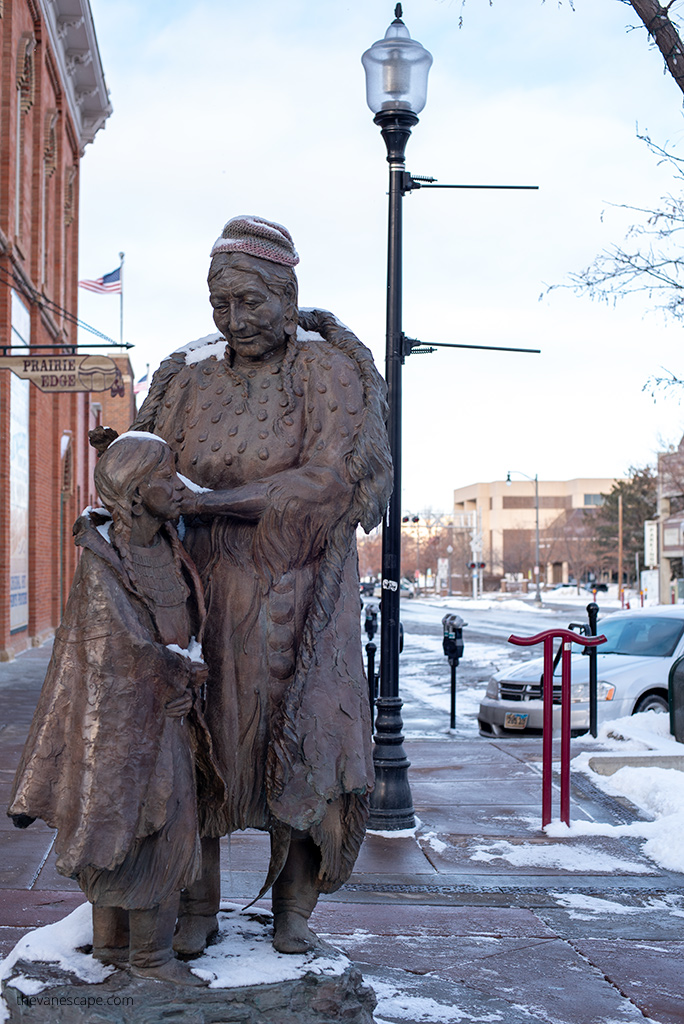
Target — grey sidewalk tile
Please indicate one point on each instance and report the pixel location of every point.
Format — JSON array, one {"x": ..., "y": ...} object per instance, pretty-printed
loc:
[
  {"x": 407, "y": 999},
  {"x": 507, "y": 793},
  {"x": 422, "y": 920},
  {"x": 546, "y": 976},
  {"x": 650, "y": 973},
  {"x": 21, "y": 857}
]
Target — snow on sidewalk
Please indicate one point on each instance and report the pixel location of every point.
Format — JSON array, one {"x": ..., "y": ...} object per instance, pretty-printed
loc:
[{"x": 657, "y": 792}]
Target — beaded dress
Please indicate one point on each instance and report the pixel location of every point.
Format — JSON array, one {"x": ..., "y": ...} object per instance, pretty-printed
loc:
[{"x": 287, "y": 703}]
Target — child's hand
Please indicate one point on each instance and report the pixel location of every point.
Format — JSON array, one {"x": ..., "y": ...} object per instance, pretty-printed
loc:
[
  {"x": 179, "y": 706},
  {"x": 198, "y": 675}
]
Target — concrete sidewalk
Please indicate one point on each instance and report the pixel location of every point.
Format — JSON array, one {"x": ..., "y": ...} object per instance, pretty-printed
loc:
[{"x": 442, "y": 925}]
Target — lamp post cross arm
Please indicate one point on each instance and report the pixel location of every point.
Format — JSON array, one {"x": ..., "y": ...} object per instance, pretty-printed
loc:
[
  {"x": 412, "y": 346},
  {"x": 412, "y": 182}
]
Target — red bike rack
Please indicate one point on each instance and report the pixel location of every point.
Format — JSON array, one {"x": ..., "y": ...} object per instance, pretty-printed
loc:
[{"x": 567, "y": 638}]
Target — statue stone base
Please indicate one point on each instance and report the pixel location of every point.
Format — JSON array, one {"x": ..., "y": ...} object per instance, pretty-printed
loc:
[{"x": 49, "y": 977}]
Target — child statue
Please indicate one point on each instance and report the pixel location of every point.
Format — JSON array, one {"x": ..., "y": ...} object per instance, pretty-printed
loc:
[{"x": 118, "y": 758}]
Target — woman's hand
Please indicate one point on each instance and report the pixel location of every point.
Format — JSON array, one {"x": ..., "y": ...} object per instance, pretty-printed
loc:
[
  {"x": 188, "y": 503},
  {"x": 179, "y": 706}
]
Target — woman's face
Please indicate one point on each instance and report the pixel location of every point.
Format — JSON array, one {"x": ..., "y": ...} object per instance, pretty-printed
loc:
[
  {"x": 163, "y": 490},
  {"x": 250, "y": 316}
]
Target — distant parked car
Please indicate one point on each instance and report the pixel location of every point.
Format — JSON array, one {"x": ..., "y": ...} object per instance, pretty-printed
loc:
[
  {"x": 600, "y": 588},
  {"x": 367, "y": 588},
  {"x": 633, "y": 669}
]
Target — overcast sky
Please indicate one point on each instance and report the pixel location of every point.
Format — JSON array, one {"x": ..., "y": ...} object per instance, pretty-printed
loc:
[{"x": 223, "y": 107}]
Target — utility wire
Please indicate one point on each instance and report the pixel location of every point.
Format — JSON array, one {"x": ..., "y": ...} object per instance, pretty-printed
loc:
[{"x": 14, "y": 280}]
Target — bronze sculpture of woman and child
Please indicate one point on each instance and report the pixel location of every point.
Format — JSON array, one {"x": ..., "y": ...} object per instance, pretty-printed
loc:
[{"x": 277, "y": 426}]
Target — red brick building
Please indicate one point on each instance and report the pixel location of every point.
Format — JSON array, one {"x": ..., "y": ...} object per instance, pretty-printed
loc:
[{"x": 53, "y": 100}]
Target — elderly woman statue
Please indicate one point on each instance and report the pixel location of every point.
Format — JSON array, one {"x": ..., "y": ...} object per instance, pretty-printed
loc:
[{"x": 282, "y": 418}]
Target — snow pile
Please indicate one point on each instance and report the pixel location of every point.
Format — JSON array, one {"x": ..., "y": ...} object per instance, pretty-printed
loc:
[
  {"x": 582, "y": 907},
  {"x": 400, "y": 833},
  {"x": 192, "y": 486},
  {"x": 303, "y": 335},
  {"x": 646, "y": 731},
  {"x": 657, "y": 792},
  {"x": 579, "y": 858},
  {"x": 102, "y": 528},
  {"x": 203, "y": 348},
  {"x": 138, "y": 435},
  {"x": 193, "y": 651},
  {"x": 490, "y": 603},
  {"x": 243, "y": 954},
  {"x": 392, "y": 1000},
  {"x": 433, "y": 841},
  {"x": 57, "y": 943}
]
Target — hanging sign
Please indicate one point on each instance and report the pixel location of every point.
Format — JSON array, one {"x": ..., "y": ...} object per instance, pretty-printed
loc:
[
  {"x": 651, "y": 543},
  {"x": 64, "y": 373}
]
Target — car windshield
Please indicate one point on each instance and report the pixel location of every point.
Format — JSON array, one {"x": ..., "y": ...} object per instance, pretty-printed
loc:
[{"x": 652, "y": 636}]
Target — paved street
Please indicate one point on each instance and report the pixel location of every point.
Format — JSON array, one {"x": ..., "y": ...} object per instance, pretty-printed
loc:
[{"x": 478, "y": 915}]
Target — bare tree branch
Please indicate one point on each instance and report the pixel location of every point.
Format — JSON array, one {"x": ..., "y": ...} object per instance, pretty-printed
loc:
[
  {"x": 659, "y": 26},
  {"x": 651, "y": 258}
]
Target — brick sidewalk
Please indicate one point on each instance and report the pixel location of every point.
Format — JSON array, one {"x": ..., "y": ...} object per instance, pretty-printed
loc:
[{"x": 419, "y": 912}]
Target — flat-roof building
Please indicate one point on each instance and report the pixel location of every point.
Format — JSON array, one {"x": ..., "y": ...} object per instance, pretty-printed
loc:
[{"x": 506, "y": 515}]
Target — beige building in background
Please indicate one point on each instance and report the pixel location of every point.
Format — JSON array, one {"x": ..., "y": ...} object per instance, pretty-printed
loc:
[{"x": 507, "y": 514}]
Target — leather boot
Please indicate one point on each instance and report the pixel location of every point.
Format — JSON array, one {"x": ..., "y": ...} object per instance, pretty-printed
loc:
[
  {"x": 110, "y": 935},
  {"x": 151, "y": 949},
  {"x": 295, "y": 894},
  {"x": 199, "y": 904}
]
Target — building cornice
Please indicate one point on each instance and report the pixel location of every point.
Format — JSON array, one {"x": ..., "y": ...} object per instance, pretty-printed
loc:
[{"x": 71, "y": 32}]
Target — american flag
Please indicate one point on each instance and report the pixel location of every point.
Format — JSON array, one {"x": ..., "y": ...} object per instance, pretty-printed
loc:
[
  {"x": 142, "y": 384},
  {"x": 108, "y": 283}
]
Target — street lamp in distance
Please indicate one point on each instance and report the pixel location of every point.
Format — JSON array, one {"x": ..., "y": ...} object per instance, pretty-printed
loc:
[
  {"x": 396, "y": 89},
  {"x": 537, "y": 567}
]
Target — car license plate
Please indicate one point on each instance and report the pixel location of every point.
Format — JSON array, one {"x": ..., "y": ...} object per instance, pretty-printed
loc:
[{"x": 515, "y": 721}]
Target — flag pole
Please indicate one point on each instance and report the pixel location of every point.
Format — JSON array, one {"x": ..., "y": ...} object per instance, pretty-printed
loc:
[{"x": 121, "y": 257}]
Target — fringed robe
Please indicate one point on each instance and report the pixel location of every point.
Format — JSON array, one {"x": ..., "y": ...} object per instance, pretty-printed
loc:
[{"x": 103, "y": 762}]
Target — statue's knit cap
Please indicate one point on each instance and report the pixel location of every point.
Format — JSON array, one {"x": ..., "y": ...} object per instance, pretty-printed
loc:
[{"x": 257, "y": 237}]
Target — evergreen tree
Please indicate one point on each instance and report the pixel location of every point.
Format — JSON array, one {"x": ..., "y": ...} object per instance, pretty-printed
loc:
[{"x": 639, "y": 503}]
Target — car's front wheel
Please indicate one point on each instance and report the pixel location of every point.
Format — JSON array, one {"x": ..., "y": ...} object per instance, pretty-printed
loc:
[{"x": 651, "y": 702}]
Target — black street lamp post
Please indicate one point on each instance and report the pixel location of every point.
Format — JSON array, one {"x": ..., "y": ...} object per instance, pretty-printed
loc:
[{"x": 396, "y": 87}]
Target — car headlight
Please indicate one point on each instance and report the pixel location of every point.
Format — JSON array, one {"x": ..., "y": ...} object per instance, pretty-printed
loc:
[
  {"x": 580, "y": 692},
  {"x": 493, "y": 689}
]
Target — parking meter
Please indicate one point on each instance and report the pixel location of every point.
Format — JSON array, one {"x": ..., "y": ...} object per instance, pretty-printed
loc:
[
  {"x": 370, "y": 625},
  {"x": 452, "y": 641},
  {"x": 452, "y": 644},
  {"x": 371, "y": 621}
]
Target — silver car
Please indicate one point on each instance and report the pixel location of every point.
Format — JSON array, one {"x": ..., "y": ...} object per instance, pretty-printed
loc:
[{"x": 633, "y": 669}]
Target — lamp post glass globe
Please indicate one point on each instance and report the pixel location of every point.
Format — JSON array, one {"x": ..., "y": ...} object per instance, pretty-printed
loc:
[{"x": 396, "y": 70}]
